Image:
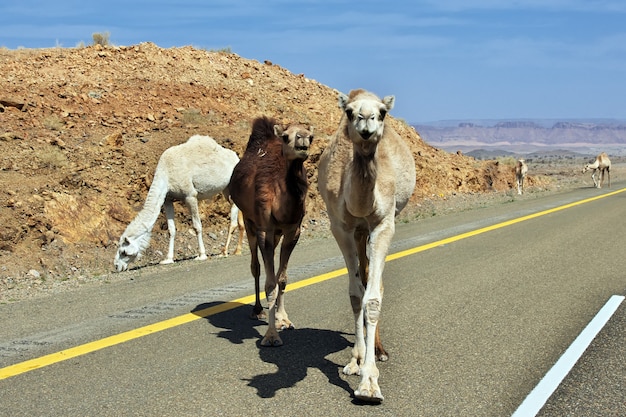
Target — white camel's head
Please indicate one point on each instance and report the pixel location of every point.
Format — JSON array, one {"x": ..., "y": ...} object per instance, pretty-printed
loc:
[
  {"x": 296, "y": 139},
  {"x": 366, "y": 114},
  {"x": 587, "y": 167},
  {"x": 128, "y": 251}
]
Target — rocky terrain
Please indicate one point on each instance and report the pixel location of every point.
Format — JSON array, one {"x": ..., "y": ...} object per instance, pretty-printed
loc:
[{"x": 81, "y": 130}]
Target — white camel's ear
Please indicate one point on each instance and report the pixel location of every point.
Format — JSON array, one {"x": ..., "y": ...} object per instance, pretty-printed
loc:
[
  {"x": 389, "y": 101},
  {"x": 278, "y": 130},
  {"x": 343, "y": 101},
  {"x": 311, "y": 130},
  {"x": 130, "y": 248}
]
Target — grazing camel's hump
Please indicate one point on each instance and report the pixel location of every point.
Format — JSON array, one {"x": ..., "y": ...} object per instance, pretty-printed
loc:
[
  {"x": 263, "y": 182},
  {"x": 392, "y": 151},
  {"x": 207, "y": 175},
  {"x": 604, "y": 161}
]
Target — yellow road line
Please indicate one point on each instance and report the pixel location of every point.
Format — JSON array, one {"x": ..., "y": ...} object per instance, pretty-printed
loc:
[
  {"x": 471, "y": 233},
  {"x": 96, "y": 345}
]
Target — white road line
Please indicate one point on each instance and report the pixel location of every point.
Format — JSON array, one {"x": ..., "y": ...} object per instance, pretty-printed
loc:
[{"x": 540, "y": 394}]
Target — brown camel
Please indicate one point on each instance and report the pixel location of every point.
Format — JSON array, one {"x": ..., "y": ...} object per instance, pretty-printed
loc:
[
  {"x": 269, "y": 185},
  {"x": 366, "y": 177},
  {"x": 602, "y": 164}
]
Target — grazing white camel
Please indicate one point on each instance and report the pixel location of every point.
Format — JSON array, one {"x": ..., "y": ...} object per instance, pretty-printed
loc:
[
  {"x": 195, "y": 170},
  {"x": 366, "y": 177},
  {"x": 602, "y": 164},
  {"x": 520, "y": 174}
]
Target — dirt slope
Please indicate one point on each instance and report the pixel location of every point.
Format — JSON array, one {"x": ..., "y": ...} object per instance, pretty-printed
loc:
[{"x": 81, "y": 131}]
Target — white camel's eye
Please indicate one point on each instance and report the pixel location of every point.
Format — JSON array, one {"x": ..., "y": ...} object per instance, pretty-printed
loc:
[{"x": 361, "y": 117}]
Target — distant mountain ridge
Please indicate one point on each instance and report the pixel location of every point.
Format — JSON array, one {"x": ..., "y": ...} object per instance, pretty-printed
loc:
[{"x": 525, "y": 133}]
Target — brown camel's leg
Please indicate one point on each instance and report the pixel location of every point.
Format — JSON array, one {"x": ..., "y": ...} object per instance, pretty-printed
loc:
[
  {"x": 255, "y": 268},
  {"x": 290, "y": 239},
  {"x": 266, "y": 242}
]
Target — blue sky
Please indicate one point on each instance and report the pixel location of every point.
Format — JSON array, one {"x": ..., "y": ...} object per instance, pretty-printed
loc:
[{"x": 442, "y": 59}]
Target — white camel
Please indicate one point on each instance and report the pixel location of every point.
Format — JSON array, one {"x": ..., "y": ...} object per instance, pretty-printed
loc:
[
  {"x": 195, "y": 170},
  {"x": 366, "y": 177},
  {"x": 520, "y": 174},
  {"x": 602, "y": 164}
]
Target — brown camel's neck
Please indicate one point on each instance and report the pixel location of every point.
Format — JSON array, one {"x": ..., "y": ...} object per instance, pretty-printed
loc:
[{"x": 297, "y": 183}]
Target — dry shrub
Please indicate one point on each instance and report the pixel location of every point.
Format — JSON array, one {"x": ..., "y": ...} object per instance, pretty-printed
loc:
[{"x": 101, "y": 38}]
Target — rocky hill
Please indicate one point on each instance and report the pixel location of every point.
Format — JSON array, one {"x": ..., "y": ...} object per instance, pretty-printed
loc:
[{"x": 82, "y": 129}]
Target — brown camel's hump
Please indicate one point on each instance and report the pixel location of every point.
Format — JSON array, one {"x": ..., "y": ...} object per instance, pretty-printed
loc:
[{"x": 262, "y": 132}]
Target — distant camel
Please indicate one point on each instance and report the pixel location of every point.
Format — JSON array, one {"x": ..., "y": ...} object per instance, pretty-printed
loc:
[
  {"x": 269, "y": 186},
  {"x": 366, "y": 177},
  {"x": 195, "y": 170},
  {"x": 520, "y": 174},
  {"x": 602, "y": 163}
]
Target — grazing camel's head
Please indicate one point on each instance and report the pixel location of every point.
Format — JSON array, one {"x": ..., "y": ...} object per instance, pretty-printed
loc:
[
  {"x": 589, "y": 166},
  {"x": 366, "y": 115},
  {"x": 128, "y": 251},
  {"x": 296, "y": 141}
]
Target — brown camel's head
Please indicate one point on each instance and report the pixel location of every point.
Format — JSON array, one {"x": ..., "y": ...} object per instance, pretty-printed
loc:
[{"x": 297, "y": 140}]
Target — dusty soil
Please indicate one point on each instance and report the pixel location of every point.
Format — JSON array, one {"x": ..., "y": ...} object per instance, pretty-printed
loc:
[{"x": 81, "y": 131}]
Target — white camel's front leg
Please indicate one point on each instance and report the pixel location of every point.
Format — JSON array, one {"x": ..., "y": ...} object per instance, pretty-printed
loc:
[
  {"x": 368, "y": 389},
  {"x": 380, "y": 238},
  {"x": 358, "y": 350},
  {"x": 171, "y": 228}
]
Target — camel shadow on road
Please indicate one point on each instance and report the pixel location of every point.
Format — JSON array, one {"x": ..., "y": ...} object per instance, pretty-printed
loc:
[{"x": 302, "y": 349}]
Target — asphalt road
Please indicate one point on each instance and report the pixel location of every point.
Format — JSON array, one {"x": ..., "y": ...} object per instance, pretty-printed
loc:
[{"x": 478, "y": 307}]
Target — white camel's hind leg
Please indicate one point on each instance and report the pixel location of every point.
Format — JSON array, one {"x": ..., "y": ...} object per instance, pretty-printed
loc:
[
  {"x": 356, "y": 290},
  {"x": 236, "y": 221},
  {"x": 192, "y": 202},
  {"x": 171, "y": 228}
]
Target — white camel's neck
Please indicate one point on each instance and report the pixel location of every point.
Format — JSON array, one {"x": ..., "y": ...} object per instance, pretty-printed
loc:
[
  {"x": 595, "y": 164},
  {"x": 143, "y": 223},
  {"x": 361, "y": 184}
]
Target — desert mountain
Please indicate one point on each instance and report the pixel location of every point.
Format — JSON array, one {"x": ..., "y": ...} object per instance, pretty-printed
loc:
[{"x": 526, "y": 134}]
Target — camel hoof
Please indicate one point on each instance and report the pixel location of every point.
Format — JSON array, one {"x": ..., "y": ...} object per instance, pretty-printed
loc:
[
  {"x": 375, "y": 397},
  {"x": 381, "y": 353},
  {"x": 201, "y": 258},
  {"x": 271, "y": 343},
  {"x": 284, "y": 325},
  {"x": 166, "y": 261},
  {"x": 352, "y": 369},
  {"x": 258, "y": 316}
]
